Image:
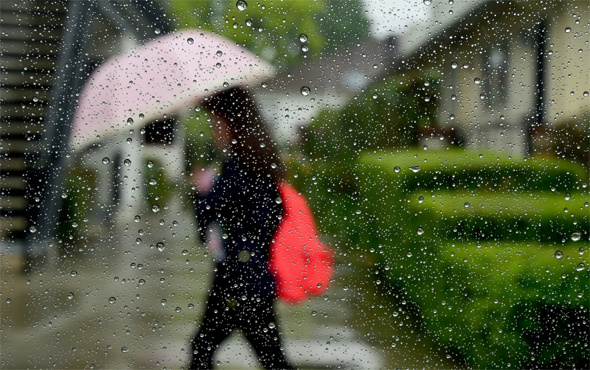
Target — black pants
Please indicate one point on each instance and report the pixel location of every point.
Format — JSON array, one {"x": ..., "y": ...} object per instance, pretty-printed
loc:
[{"x": 254, "y": 316}]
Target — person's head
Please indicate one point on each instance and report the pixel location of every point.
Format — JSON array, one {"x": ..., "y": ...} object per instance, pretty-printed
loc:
[{"x": 238, "y": 126}]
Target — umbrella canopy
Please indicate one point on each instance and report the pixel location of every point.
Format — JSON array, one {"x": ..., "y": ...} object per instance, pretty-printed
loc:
[{"x": 170, "y": 73}]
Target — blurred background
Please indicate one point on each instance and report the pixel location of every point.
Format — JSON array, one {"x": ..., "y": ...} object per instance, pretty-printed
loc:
[{"x": 444, "y": 147}]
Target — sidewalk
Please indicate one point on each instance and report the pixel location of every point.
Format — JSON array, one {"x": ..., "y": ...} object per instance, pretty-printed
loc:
[{"x": 129, "y": 302}]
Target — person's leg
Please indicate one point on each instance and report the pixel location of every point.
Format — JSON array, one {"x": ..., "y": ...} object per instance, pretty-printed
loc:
[
  {"x": 216, "y": 326},
  {"x": 259, "y": 324}
]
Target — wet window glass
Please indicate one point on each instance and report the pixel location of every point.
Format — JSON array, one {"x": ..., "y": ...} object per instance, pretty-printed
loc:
[{"x": 294, "y": 184}]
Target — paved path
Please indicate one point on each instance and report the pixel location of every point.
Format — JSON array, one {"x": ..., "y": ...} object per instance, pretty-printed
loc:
[{"x": 122, "y": 302}]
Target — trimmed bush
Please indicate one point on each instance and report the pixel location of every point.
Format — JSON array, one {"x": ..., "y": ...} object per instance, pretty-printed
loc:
[{"x": 500, "y": 281}]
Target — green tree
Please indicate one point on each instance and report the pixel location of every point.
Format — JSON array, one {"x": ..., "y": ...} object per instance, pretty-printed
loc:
[{"x": 272, "y": 29}]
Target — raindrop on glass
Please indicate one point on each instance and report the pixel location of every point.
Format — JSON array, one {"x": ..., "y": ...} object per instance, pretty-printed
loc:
[
  {"x": 249, "y": 22},
  {"x": 160, "y": 246},
  {"x": 420, "y": 231},
  {"x": 427, "y": 2},
  {"x": 415, "y": 169},
  {"x": 241, "y": 5},
  {"x": 112, "y": 300},
  {"x": 155, "y": 208},
  {"x": 558, "y": 254},
  {"x": 157, "y": 31},
  {"x": 576, "y": 236},
  {"x": 396, "y": 169},
  {"x": 129, "y": 121},
  {"x": 305, "y": 48},
  {"x": 218, "y": 65},
  {"x": 70, "y": 295},
  {"x": 466, "y": 205},
  {"x": 454, "y": 65},
  {"x": 127, "y": 162},
  {"x": 124, "y": 349},
  {"x": 190, "y": 41},
  {"x": 581, "y": 266},
  {"x": 303, "y": 37},
  {"x": 74, "y": 273},
  {"x": 568, "y": 29},
  {"x": 106, "y": 160},
  {"x": 477, "y": 81},
  {"x": 305, "y": 91}
]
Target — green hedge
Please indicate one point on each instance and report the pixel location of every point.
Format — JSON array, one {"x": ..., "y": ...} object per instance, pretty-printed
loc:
[{"x": 486, "y": 278}]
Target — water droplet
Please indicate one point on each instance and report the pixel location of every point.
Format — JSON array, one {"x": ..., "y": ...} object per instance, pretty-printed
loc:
[
  {"x": 106, "y": 160},
  {"x": 558, "y": 254},
  {"x": 420, "y": 199},
  {"x": 141, "y": 116},
  {"x": 568, "y": 29},
  {"x": 241, "y": 5},
  {"x": 415, "y": 169},
  {"x": 305, "y": 48},
  {"x": 153, "y": 182},
  {"x": 190, "y": 41},
  {"x": 314, "y": 313},
  {"x": 137, "y": 218},
  {"x": 264, "y": 85},
  {"x": 427, "y": 2},
  {"x": 124, "y": 349},
  {"x": 477, "y": 81},
  {"x": 420, "y": 231},
  {"x": 581, "y": 266},
  {"x": 129, "y": 121},
  {"x": 157, "y": 31},
  {"x": 249, "y": 22},
  {"x": 303, "y": 37},
  {"x": 127, "y": 162},
  {"x": 8, "y": 301},
  {"x": 218, "y": 65},
  {"x": 155, "y": 208},
  {"x": 375, "y": 96},
  {"x": 271, "y": 325},
  {"x": 576, "y": 236},
  {"x": 191, "y": 306},
  {"x": 466, "y": 205},
  {"x": 219, "y": 53},
  {"x": 160, "y": 246},
  {"x": 305, "y": 91},
  {"x": 74, "y": 273},
  {"x": 396, "y": 169},
  {"x": 112, "y": 300},
  {"x": 409, "y": 254},
  {"x": 150, "y": 164}
]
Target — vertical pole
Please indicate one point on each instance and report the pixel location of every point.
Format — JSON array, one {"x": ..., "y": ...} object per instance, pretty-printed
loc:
[{"x": 54, "y": 146}]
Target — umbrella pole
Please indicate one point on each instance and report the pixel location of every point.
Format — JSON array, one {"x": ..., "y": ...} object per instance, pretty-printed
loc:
[{"x": 69, "y": 81}]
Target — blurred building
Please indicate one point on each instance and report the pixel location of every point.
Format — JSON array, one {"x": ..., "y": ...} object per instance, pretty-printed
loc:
[
  {"x": 510, "y": 70},
  {"x": 48, "y": 49},
  {"x": 293, "y": 97}
]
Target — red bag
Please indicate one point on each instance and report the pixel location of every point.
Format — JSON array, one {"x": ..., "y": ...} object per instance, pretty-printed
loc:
[{"x": 301, "y": 264}]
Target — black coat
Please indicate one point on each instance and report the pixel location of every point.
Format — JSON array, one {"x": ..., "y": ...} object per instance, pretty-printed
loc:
[{"x": 245, "y": 205}]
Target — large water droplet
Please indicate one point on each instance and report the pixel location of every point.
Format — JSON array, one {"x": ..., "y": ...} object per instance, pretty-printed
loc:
[
  {"x": 581, "y": 266},
  {"x": 576, "y": 236},
  {"x": 190, "y": 41},
  {"x": 420, "y": 231},
  {"x": 305, "y": 91},
  {"x": 160, "y": 246},
  {"x": 558, "y": 254},
  {"x": 106, "y": 160},
  {"x": 303, "y": 37},
  {"x": 112, "y": 300},
  {"x": 241, "y": 5}
]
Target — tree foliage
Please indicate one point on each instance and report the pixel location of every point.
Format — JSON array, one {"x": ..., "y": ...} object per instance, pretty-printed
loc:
[{"x": 272, "y": 29}]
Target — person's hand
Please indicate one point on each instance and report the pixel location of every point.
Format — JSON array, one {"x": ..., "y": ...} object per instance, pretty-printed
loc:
[{"x": 203, "y": 179}]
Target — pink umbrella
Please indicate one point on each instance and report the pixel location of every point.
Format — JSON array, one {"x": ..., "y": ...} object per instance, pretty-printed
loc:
[{"x": 168, "y": 74}]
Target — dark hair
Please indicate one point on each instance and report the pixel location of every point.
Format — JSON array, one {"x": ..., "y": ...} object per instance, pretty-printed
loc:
[{"x": 254, "y": 144}]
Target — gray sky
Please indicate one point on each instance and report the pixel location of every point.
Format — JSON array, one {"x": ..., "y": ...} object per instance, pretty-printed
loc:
[{"x": 393, "y": 16}]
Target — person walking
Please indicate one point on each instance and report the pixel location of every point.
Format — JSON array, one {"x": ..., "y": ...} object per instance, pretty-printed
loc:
[{"x": 244, "y": 200}]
